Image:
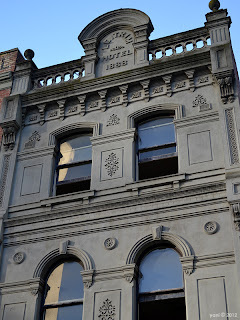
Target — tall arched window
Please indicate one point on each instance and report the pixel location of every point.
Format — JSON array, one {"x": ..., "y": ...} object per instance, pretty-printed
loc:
[
  {"x": 74, "y": 164},
  {"x": 160, "y": 286},
  {"x": 156, "y": 148},
  {"x": 63, "y": 294}
]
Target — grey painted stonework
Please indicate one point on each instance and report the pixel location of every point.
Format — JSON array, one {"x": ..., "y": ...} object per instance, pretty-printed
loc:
[{"x": 117, "y": 83}]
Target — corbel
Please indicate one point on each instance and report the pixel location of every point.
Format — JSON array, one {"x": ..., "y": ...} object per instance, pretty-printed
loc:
[
  {"x": 190, "y": 75},
  {"x": 9, "y": 136},
  {"x": 103, "y": 94},
  {"x": 124, "y": 90},
  {"x": 41, "y": 110},
  {"x": 167, "y": 79},
  {"x": 145, "y": 85},
  {"x": 130, "y": 272},
  {"x": 81, "y": 100},
  {"x": 225, "y": 82},
  {"x": 61, "y": 104}
]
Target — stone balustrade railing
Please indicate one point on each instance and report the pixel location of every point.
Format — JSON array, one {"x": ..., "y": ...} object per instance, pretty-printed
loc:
[
  {"x": 59, "y": 73},
  {"x": 180, "y": 43}
]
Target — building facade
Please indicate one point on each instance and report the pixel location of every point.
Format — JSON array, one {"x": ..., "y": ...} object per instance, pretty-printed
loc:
[{"x": 120, "y": 177}]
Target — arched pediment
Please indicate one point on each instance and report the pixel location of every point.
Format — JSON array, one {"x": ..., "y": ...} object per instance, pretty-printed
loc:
[
  {"x": 158, "y": 236},
  {"x": 55, "y": 255},
  {"x": 115, "y": 20}
]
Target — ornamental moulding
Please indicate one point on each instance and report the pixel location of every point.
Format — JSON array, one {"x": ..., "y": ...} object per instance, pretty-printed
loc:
[
  {"x": 64, "y": 250},
  {"x": 187, "y": 257}
]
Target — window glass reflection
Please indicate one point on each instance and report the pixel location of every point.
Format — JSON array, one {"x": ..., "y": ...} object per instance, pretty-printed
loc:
[
  {"x": 75, "y": 150},
  {"x": 75, "y": 173},
  {"x": 156, "y": 133},
  {"x": 64, "y": 313},
  {"x": 161, "y": 269},
  {"x": 65, "y": 283}
]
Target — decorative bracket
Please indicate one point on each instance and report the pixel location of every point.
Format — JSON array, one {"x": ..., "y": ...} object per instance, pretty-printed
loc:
[
  {"x": 81, "y": 100},
  {"x": 124, "y": 89},
  {"x": 130, "y": 272},
  {"x": 102, "y": 95},
  {"x": 190, "y": 74},
  {"x": 41, "y": 109},
  {"x": 87, "y": 276},
  {"x": 9, "y": 136},
  {"x": 225, "y": 81},
  {"x": 167, "y": 80},
  {"x": 145, "y": 85},
  {"x": 61, "y": 104}
]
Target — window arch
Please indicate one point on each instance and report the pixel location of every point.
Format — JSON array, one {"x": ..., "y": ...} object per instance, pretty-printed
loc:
[
  {"x": 156, "y": 147},
  {"x": 63, "y": 292},
  {"x": 160, "y": 285},
  {"x": 74, "y": 161}
]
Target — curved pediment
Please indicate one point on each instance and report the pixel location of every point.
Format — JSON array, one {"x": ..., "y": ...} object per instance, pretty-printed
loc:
[{"x": 113, "y": 21}]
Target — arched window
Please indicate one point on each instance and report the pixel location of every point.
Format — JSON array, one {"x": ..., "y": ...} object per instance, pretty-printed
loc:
[
  {"x": 160, "y": 286},
  {"x": 156, "y": 148},
  {"x": 74, "y": 164},
  {"x": 63, "y": 294}
]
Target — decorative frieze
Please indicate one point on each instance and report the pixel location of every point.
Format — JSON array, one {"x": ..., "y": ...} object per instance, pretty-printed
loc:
[
  {"x": 157, "y": 90},
  {"x": 115, "y": 100},
  {"x": 136, "y": 95},
  {"x": 32, "y": 140},
  {"x": 180, "y": 84},
  {"x": 204, "y": 79},
  {"x": 233, "y": 145}
]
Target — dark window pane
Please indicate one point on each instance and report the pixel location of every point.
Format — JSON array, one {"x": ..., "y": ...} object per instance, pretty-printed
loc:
[
  {"x": 66, "y": 188},
  {"x": 161, "y": 269},
  {"x": 156, "y": 153},
  {"x": 156, "y": 136},
  {"x": 64, "y": 313},
  {"x": 171, "y": 309},
  {"x": 65, "y": 283},
  {"x": 75, "y": 172},
  {"x": 157, "y": 168}
]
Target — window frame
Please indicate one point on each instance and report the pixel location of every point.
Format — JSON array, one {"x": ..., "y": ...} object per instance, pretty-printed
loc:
[
  {"x": 157, "y": 295},
  {"x": 171, "y": 155},
  {"x": 63, "y": 303},
  {"x": 72, "y": 164}
]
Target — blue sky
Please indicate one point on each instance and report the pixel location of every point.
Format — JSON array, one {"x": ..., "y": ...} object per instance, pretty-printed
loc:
[{"x": 51, "y": 27}]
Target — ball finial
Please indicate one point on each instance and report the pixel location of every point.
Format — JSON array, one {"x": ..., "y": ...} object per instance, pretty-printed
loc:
[
  {"x": 29, "y": 54},
  {"x": 214, "y": 5}
]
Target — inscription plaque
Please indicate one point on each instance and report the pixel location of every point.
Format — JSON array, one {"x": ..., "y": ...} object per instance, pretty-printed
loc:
[{"x": 115, "y": 53}]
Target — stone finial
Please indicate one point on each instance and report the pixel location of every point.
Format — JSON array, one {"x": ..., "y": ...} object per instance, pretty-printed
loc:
[
  {"x": 214, "y": 5},
  {"x": 29, "y": 54}
]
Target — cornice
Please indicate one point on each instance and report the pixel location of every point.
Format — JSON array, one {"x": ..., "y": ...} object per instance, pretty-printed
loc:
[{"x": 155, "y": 69}]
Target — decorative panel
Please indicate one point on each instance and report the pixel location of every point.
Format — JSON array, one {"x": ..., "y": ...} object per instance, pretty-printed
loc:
[
  {"x": 107, "y": 305},
  {"x": 112, "y": 164},
  {"x": 14, "y": 311},
  {"x": 31, "y": 180},
  {"x": 212, "y": 298},
  {"x": 199, "y": 147}
]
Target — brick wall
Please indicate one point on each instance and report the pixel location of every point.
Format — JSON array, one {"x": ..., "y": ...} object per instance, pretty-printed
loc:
[{"x": 8, "y": 60}]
